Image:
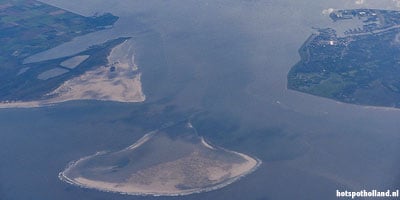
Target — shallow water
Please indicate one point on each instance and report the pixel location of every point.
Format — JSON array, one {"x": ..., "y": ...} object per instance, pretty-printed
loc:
[
  {"x": 51, "y": 73},
  {"x": 227, "y": 62}
]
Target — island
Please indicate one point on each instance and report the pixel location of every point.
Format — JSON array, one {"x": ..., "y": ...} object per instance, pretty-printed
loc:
[
  {"x": 171, "y": 161},
  {"x": 104, "y": 71},
  {"x": 356, "y": 61}
]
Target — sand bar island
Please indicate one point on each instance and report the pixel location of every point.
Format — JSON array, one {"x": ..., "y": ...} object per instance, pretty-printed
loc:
[{"x": 170, "y": 162}]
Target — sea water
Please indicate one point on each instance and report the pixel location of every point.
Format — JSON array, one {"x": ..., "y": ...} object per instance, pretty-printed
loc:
[{"x": 224, "y": 64}]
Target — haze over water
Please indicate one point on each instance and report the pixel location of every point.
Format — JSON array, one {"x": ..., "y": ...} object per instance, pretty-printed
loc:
[{"x": 228, "y": 60}]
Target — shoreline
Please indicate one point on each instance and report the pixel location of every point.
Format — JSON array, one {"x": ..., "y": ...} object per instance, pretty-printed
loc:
[
  {"x": 66, "y": 179},
  {"x": 48, "y": 103},
  {"x": 367, "y": 107}
]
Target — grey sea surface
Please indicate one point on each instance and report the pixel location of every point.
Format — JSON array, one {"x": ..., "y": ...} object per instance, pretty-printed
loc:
[{"x": 227, "y": 62}]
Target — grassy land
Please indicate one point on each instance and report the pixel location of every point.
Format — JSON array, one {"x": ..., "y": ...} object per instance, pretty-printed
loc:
[
  {"x": 359, "y": 68},
  {"x": 28, "y": 27}
]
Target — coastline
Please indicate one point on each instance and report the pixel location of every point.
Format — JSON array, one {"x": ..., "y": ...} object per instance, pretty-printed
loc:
[
  {"x": 48, "y": 103},
  {"x": 367, "y": 107}
]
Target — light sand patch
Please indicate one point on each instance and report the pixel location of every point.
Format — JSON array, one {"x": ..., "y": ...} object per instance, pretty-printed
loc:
[
  {"x": 327, "y": 11},
  {"x": 122, "y": 56},
  {"x": 97, "y": 85},
  {"x": 206, "y": 144},
  {"x": 141, "y": 141},
  {"x": 215, "y": 173},
  {"x": 74, "y": 61},
  {"x": 242, "y": 168},
  {"x": 128, "y": 188},
  {"x": 19, "y": 104},
  {"x": 120, "y": 83}
]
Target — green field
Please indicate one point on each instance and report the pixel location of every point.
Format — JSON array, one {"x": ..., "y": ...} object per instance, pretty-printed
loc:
[
  {"x": 28, "y": 27},
  {"x": 362, "y": 67}
]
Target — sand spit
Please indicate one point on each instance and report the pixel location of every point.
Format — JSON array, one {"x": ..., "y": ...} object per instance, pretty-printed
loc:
[
  {"x": 118, "y": 81},
  {"x": 122, "y": 56},
  {"x": 141, "y": 141},
  {"x": 206, "y": 144},
  {"x": 204, "y": 168}
]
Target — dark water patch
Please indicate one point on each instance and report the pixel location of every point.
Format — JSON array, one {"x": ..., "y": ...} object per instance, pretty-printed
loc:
[{"x": 269, "y": 144}]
